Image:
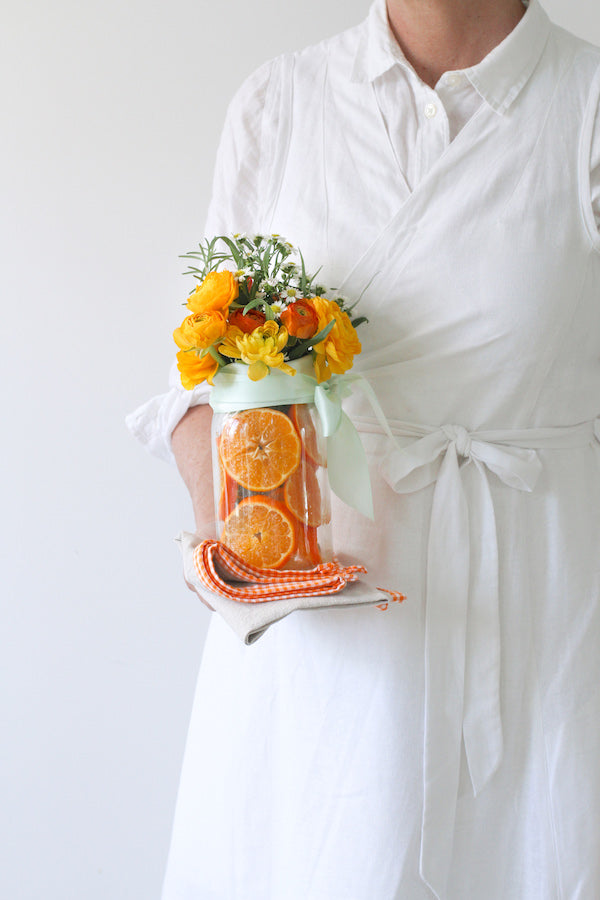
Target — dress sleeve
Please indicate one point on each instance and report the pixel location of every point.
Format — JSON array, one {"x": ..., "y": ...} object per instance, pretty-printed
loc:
[
  {"x": 233, "y": 207},
  {"x": 595, "y": 169},
  {"x": 589, "y": 160}
]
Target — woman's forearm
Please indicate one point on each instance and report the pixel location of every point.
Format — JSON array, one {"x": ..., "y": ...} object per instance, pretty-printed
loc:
[{"x": 192, "y": 449}]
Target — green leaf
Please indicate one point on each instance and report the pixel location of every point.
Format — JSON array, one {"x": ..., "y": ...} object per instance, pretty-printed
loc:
[
  {"x": 237, "y": 256},
  {"x": 253, "y": 304},
  {"x": 302, "y": 347},
  {"x": 303, "y": 282},
  {"x": 217, "y": 356},
  {"x": 266, "y": 259},
  {"x": 321, "y": 335},
  {"x": 359, "y": 321},
  {"x": 357, "y": 301}
]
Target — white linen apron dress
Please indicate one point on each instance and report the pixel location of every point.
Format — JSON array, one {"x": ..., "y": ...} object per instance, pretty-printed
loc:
[{"x": 448, "y": 746}]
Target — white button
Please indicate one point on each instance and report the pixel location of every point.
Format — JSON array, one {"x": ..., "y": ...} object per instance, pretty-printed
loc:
[
  {"x": 453, "y": 79},
  {"x": 430, "y": 110}
]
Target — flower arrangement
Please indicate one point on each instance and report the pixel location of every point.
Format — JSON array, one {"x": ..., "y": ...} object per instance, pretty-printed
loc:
[{"x": 256, "y": 304}]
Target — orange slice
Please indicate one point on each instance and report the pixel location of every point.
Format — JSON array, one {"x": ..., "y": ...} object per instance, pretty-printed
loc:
[
  {"x": 302, "y": 496},
  {"x": 259, "y": 448},
  {"x": 313, "y": 446},
  {"x": 261, "y": 531}
]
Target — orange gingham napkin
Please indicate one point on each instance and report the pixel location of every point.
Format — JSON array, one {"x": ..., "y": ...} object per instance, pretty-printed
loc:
[{"x": 251, "y": 599}]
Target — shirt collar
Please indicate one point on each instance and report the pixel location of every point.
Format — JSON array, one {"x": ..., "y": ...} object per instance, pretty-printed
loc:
[{"x": 498, "y": 78}]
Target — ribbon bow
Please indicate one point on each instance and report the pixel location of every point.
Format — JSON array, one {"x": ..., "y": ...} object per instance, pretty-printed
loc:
[
  {"x": 347, "y": 461},
  {"x": 462, "y": 578},
  {"x": 347, "y": 464}
]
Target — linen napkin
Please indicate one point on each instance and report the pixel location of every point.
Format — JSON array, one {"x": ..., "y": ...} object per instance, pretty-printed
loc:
[{"x": 251, "y": 599}]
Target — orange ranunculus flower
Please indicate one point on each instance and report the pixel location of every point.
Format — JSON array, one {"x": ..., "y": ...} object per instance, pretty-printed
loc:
[
  {"x": 199, "y": 331},
  {"x": 247, "y": 322},
  {"x": 195, "y": 368},
  {"x": 301, "y": 319},
  {"x": 215, "y": 293},
  {"x": 336, "y": 353}
]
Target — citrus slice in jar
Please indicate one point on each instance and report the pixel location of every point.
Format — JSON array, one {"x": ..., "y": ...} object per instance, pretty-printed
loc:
[
  {"x": 311, "y": 442},
  {"x": 303, "y": 498},
  {"x": 259, "y": 448},
  {"x": 261, "y": 531}
]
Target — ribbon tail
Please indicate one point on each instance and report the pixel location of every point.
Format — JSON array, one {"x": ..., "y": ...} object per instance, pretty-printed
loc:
[
  {"x": 408, "y": 469},
  {"x": 445, "y": 639},
  {"x": 482, "y": 725},
  {"x": 517, "y": 467},
  {"x": 348, "y": 467}
]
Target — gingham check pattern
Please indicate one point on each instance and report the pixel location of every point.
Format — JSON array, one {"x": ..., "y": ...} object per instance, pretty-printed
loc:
[{"x": 224, "y": 573}]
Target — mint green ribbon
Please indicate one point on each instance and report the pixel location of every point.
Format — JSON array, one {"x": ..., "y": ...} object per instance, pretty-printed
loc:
[{"x": 347, "y": 464}]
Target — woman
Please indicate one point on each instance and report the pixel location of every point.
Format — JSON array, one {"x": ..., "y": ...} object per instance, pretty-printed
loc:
[{"x": 443, "y": 158}]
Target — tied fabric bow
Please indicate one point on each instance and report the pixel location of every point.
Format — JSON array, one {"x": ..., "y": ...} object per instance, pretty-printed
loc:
[
  {"x": 251, "y": 599},
  {"x": 347, "y": 465},
  {"x": 462, "y": 578},
  {"x": 462, "y": 625},
  {"x": 217, "y": 567}
]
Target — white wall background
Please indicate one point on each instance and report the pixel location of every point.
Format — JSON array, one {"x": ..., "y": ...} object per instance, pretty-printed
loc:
[{"x": 111, "y": 112}]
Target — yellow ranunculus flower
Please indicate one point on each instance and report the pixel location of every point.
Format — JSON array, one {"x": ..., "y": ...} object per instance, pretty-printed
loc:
[
  {"x": 215, "y": 293},
  {"x": 259, "y": 349},
  {"x": 200, "y": 331},
  {"x": 336, "y": 353},
  {"x": 195, "y": 368},
  {"x": 194, "y": 336}
]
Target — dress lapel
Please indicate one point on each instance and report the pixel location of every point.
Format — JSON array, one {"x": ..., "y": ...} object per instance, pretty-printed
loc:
[{"x": 385, "y": 254}]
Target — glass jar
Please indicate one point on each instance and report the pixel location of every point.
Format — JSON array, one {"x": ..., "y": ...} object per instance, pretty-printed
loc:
[{"x": 272, "y": 496}]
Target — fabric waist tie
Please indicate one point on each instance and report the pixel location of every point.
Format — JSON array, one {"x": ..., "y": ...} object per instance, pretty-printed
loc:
[{"x": 462, "y": 625}]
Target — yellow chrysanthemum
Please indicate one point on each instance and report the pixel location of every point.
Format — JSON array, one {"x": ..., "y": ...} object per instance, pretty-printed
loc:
[
  {"x": 261, "y": 349},
  {"x": 216, "y": 293},
  {"x": 336, "y": 353},
  {"x": 229, "y": 347}
]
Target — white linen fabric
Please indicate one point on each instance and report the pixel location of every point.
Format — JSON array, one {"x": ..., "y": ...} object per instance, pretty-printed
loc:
[
  {"x": 250, "y": 620},
  {"x": 447, "y": 747}
]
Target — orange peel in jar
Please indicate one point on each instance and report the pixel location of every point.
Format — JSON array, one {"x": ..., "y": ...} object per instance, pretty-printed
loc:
[
  {"x": 302, "y": 495},
  {"x": 312, "y": 444}
]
